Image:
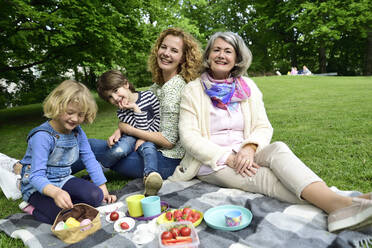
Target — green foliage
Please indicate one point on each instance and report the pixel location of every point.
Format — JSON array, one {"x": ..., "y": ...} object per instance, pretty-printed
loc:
[{"x": 44, "y": 42}]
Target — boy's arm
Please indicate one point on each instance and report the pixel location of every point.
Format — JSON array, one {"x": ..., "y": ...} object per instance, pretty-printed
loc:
[
  {"x": 155, "y": 137},
  {"x": 149, "y": 117},
  {"x": 114, "y": 138}
]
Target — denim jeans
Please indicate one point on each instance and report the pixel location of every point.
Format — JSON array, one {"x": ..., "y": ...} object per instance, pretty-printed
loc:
[
  {"x": 109, "y": 156},
  {"x": 133, "y": 165}
]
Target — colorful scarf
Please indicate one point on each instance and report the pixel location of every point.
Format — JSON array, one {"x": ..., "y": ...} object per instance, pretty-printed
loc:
[{"x": 227, "y": 93}]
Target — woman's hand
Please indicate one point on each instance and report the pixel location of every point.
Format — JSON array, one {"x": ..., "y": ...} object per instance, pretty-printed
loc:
[
  {"x": 107, "y": 198},
  {"x": 243, "y": 161},
  {"x": 114, "y": 138}
]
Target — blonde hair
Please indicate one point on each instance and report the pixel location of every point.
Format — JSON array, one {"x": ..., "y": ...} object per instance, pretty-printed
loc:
[
  {"x": 67, "y": 92},
  {"x": 192, "y": 56}
]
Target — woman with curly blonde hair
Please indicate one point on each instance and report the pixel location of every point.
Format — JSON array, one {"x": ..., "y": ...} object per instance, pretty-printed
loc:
[
  {"x": 175, "y": 59},
  {"x": 189, "y": 70}
]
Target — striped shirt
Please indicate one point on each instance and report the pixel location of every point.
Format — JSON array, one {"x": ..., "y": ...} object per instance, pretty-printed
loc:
[{"x": 149, "y": 118}]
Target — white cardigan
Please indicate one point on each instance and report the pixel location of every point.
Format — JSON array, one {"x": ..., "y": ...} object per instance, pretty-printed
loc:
[{"x": 194, "y": 128}]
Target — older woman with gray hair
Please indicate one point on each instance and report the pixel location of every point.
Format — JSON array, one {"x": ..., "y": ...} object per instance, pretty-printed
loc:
[{"x": 226, "y": 134}]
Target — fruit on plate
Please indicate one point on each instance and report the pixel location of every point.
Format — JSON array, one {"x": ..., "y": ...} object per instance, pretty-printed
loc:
[
  {"x": 177, "y": 236},
  {"x": 175, "y": 232},
  {"x": 185, "y": 231},
  {"x": 114, "y": 216},
  {"x": 185, "y": 214},
  {"x": 169, "y": 215},
  {"x": 124, "y": 225},
  {"x": 166, "y": 235}
]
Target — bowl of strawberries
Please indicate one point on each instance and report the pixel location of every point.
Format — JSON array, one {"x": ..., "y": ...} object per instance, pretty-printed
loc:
[{"x": 178, "y": 234}]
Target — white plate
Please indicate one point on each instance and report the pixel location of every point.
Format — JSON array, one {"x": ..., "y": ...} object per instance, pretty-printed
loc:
[
  {"x": 121, "y": 215},
  {"x": 128, "y": 220}
]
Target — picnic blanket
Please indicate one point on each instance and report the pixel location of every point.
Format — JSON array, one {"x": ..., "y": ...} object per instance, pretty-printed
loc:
[{"x": 274, "y": 223}]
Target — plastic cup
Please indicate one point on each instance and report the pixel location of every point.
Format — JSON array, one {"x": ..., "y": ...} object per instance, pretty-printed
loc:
[
  {"x": 151, "y": 206},
  {"x": 134, "y": 205},
  {"x": 233, "y": 218}
]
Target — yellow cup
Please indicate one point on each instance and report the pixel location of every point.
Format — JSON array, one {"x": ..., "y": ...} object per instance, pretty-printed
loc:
[{"x": 134, "y": 205}]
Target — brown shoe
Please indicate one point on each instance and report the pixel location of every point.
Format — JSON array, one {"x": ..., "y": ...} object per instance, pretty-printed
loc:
[{"x": 153, "y": 183}]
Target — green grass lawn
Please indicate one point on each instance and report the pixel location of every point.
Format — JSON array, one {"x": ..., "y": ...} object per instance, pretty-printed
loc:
[{"x": 326, "y": 121}]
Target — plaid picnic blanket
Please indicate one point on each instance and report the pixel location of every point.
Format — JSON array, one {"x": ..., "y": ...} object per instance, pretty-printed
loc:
[{"x": 274, "y": 223}]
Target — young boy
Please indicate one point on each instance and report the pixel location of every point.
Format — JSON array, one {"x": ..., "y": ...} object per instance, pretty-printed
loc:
[{"x": 140, "y": 110}]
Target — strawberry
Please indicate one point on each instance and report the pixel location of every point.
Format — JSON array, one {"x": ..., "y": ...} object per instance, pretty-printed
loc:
[
  {"x": 187, "y": 211},
  {"x": 195, "y": 215},
  {"x": 177, "y": 213},
  {"x": 189, "y": 218},
  {"x": 175, "y": 232},
  {"x": 168, "y": 215}
]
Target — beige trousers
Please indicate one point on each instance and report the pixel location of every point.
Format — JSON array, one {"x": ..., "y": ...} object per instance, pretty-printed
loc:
[{"x": 282, "y": 175}]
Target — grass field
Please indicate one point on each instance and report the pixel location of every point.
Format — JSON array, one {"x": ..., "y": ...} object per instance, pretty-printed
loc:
[{"x": 326, "y": 121}]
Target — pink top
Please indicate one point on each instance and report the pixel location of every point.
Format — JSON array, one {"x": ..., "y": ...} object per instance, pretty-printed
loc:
[{"x": 227, "y": 129}]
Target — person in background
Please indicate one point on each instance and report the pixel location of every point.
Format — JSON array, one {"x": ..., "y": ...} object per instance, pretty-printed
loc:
[
  {"x": 294, "y": 71},
  {"x": 305, "y": 71},
  {"x": 47, "y": 184},
  {"x": 226, "y": 134},
  {"x": 174, "y": 60}
]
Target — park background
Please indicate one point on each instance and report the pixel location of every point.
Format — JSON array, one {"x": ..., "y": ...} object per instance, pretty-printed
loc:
[
  {"x": 45, "y": 41},
  {"x": 326, "y": 121}
]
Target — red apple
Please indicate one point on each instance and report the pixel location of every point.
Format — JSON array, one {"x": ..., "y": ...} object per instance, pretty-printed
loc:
[
  {"x": 114, "y": 216},
  {"x": 124, "y": 225}
]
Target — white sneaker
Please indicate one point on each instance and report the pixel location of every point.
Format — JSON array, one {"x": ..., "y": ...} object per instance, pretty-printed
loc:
[
  {"x": 357, "y": 216},
  {"x": 9, "y": 184}
]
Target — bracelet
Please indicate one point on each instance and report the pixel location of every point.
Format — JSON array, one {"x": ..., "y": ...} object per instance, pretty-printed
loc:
[{"x": 253, "y": 146}]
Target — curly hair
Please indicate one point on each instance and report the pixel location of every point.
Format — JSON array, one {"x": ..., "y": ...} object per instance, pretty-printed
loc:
[
  {"x": 190, "y": 68},
  {"x": 67, "y": 92}
]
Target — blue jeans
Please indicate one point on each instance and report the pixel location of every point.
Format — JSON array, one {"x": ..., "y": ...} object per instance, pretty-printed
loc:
[
  {"x": 133, "y": 165},
  {"x": 109, "y": 156}
]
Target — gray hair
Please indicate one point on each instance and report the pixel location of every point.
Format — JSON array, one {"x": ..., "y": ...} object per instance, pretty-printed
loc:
[{"x": 243, "y": 54}]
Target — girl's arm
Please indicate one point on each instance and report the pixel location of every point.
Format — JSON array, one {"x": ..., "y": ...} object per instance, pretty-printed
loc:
[
  {"x": 61, "y": 197},
  {"x": 42, "y": 145},
  {"x": 93, "y": 167}
]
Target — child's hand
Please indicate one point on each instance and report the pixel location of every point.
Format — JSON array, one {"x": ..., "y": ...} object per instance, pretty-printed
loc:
[
  {"x": 107, "y": 198},
  {"x": 61, "y": 198},
  {"x": 131, "y": 105},
  {"x": 139, "y": 142},
  {"x": 114, "y": 138}
]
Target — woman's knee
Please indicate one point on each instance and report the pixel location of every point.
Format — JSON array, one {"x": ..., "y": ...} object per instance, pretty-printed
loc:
[{"x": 279, "y": 146}]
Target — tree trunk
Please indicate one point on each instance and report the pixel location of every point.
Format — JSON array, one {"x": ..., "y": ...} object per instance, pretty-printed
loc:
[
  {"x": 322, "y": 59},
  {"x": 368, "y": 64}
]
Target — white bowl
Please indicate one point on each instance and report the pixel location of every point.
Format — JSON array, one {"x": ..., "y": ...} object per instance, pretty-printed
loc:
[
  {"x": 128, "y": 220},
  {"x": 121, "y": 215}
]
